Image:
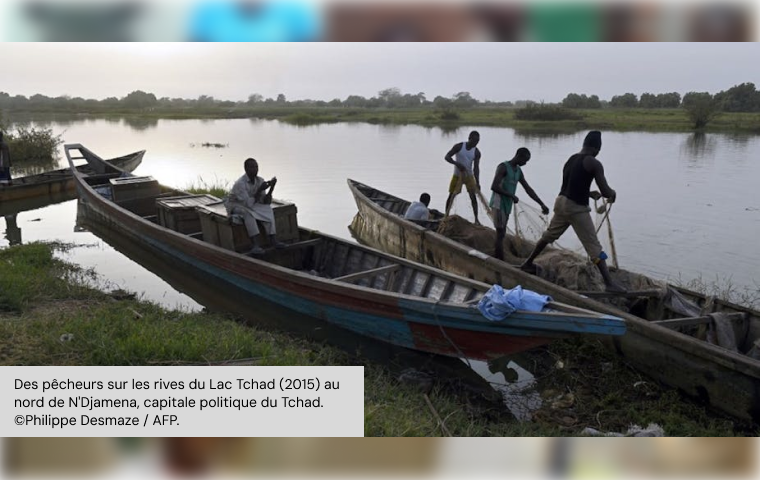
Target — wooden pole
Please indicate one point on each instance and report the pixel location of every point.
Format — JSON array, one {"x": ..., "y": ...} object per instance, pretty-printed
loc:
[{"x": 612, "y": 242}]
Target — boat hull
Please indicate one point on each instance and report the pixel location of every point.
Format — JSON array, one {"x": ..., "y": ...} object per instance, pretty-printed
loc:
[
  {"x": 725, "y": 380},
  {"x": 58, "y": 184},
  {"x": 396, "y": 322}
]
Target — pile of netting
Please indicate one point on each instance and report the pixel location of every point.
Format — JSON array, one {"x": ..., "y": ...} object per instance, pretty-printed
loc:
[{"x": 558, "y": 265}]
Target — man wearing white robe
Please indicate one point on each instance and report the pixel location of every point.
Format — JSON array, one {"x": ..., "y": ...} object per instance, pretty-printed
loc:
[{"x": 249, "y": 199}]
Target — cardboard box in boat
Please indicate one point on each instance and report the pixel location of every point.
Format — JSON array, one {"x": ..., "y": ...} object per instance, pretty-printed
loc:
[{"x": 219, "y": 230}]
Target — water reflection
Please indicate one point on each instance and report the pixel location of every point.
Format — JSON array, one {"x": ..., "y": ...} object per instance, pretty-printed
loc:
[
  {"x": 17, "y": 206},
  {"x": 12, "y": 230},
  {"x": 698, "y": 146},
  {"x": 140, "y": 123},
  {"x": 32, "y": 166},
  {"x": 530, "y": 134},
  {"x": 450, "y": 130}
]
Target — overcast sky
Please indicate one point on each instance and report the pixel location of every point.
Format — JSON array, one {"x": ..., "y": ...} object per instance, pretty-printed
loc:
[{"x": 489, "y": 71}]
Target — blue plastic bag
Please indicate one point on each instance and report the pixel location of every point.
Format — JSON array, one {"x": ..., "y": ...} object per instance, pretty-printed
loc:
[{"x": 497, "y": 303}]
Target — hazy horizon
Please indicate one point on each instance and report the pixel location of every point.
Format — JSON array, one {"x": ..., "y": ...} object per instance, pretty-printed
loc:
[{"x": 324, "y": 71}]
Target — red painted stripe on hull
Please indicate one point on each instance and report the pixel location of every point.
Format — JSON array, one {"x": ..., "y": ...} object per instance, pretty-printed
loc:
[{"x": 475, "y": 345}]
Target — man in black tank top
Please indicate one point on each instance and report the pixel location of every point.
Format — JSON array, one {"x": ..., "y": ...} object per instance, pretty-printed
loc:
[{"x": 571, "y": 209}]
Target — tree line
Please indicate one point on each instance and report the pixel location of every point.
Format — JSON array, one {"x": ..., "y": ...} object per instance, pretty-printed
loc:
[
  {"x": 139, "y": 100},
  {"x": 740, "y": 98}
]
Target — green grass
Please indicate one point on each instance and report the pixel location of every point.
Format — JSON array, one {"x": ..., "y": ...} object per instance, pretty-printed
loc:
[
  {"x": 44, "y": 300},
  {"x": 214, "y": 187}
]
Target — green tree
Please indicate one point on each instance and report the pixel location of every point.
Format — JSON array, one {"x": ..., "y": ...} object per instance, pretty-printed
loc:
[
  {"x": 669, "y": 100},
  {"x": 464, "y": 100},
  {"x": 255, "y": 99},
  {"x": 139, "y": 100},
  {"x": 355, "y": 101},
  {"x": 627, "y": 100},
  {"x": 740, "y": 98},
  {"x": 390, "y": 97},
  {"x": 701, "y": 107},
  {"x": 648, "y": 100}
]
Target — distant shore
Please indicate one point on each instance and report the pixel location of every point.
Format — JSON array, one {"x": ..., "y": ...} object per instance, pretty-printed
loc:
[{"x": 608, "y": 119}]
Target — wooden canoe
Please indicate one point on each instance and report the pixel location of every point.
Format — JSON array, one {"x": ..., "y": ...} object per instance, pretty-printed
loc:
[
  {"x": 661, "y": 339},
  {"x": 354, "y": 287},
  {"x": 57, "y": 183}
]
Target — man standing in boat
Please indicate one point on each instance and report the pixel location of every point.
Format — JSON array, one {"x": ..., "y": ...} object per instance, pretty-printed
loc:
[
  {"x": 466, "y": 160},
  {"x": 5, "y": 162},
  {"x": 508, "y": 175},
  {"x": 572, "y": 207},
  {"x": 249, "y": 199}
]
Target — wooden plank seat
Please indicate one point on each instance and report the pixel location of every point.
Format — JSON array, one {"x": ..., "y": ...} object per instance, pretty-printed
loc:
[
  {"x": 692, "y": 321},
  {"x": 629, "y": 294},
  {"x": 350, "y": 278}
]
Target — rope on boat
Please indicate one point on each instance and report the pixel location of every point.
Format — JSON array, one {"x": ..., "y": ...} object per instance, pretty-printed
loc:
[
  {"x": 608, "y": 208},
  {"x": 446, "y": 336},
  {"x": 605, "y": 208}
]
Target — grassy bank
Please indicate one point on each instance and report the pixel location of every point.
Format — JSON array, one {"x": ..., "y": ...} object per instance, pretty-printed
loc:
[
  {"x": 49, "y": 316},
  {"x": 653, "y": 120}
]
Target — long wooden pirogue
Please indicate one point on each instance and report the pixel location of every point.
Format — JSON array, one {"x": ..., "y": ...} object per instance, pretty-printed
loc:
[
  {"x": 60, "y": 181},
  {"x": 661, "y": 341}
]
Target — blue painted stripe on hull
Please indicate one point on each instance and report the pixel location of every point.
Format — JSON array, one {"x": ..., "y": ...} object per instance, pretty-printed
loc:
[
  {"x": 527, "y": 323},
  {"x": 376, "y": 326},
  {"x": 382, "y": 328}
]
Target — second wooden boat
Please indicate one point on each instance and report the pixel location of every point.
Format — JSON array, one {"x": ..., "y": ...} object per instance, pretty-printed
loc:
[
  {"x": 58, "y": 182},
  {"x": 666, "y": 335}
]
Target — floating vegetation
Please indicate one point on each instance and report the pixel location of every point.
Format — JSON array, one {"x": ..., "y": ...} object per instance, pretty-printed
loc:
[{"x": 210, "y": 145}]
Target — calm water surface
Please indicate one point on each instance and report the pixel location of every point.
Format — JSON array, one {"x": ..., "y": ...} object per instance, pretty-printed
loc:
[{"x": 687, "y": 205}]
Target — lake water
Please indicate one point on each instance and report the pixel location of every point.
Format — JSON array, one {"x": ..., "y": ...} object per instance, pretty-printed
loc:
[{"x": 687, "y": 205}]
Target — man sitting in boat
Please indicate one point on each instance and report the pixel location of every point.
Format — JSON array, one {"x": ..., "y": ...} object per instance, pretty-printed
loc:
[
  {"x": 465, "y": 157},
  {"x": 249, "y": 199},
  {"x": 504, "y": 186},
  {"x": 572, "y": 207},
  {"x": 5, "y": 162},
  {"x": 419, "y": 210}
]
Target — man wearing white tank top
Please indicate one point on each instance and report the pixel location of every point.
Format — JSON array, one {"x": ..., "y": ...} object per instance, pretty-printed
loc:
[{"x": 466, "y": 160}]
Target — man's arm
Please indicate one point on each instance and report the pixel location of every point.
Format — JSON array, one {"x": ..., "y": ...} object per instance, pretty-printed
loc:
[
  {"x": 476, "y": 167},
  {"x": 532, "y": 194},
  {"x": 594, "y": 166},
  {"x": 450, "y": 156}
]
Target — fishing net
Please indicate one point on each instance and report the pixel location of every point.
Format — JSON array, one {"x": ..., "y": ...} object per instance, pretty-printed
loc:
[{"x": 568, "y": 267}]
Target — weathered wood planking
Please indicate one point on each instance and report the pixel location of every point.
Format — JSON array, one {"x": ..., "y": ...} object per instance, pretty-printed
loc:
[{"x": 729, "y": 381}]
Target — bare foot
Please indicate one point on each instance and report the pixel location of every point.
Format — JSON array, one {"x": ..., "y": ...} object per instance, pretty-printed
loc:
[{"x": 529, "y": 268}]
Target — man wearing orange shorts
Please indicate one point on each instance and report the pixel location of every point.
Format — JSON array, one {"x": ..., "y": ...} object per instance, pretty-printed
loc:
[{"x": 466, "y": 160}]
